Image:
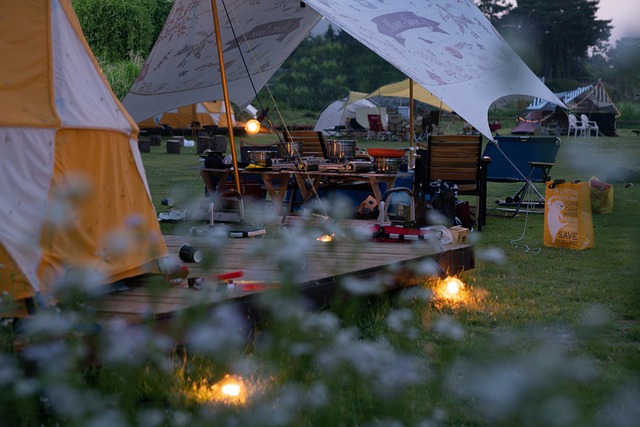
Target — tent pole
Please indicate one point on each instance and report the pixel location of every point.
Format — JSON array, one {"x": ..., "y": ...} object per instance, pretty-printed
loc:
[
  {"x": 223, "y": 77},
  {"x": 412, "y": 141}
]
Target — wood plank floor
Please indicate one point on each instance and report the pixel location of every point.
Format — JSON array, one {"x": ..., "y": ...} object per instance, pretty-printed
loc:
[{"x": 257, "y": 259}]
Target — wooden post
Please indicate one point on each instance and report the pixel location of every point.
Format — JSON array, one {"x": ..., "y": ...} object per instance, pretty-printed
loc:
[{"x": 227, "y": 104}]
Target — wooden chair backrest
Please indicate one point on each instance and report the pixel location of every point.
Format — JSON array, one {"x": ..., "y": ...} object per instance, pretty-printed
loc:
[
  {"x": 312, "y": 141},
  {"x": 455, "y": 158}
]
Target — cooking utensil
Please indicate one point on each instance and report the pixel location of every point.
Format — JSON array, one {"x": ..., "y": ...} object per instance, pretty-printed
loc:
[
  {"x": 387, "y": 164},
  {"x": 341, "y": 149},
  {"x": 292, "y": 149},
  {"x": 261, "y": 157}
]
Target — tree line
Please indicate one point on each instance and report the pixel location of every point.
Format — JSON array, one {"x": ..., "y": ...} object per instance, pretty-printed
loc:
[{"x": 563, "y": 42}]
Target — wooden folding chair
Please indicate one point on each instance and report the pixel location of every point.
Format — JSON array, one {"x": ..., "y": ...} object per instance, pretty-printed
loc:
[{"x": 456, "y": 159}]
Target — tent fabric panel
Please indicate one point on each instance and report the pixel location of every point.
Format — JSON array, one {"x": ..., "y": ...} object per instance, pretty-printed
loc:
[
  {"x": 153, "y": 122},
  {"x": 183, "y": 65},
  {"x": 218, "y": 112},
  {"x": 26, "y": 167},
  {"x": 450, "y": 49},
  {"x": 208, "y": 113},
  {"x": 82, "y": 97},
  {"x": 25, "y": 81},
  {"x": 137, "y": 158},
  {"x": 355, "y": 96},
  {"x": 12, "y": 279},
  {"x": 330, "y": 116},
  {"x": 362, "y": 115},
  {"x": 104, "y": 219},
  {"x": 401, "y": 90}
]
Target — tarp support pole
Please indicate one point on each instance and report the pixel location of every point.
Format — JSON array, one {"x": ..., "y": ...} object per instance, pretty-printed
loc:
[
  {"x": 412, "y": 141},
  {"x": 225, "y": 91}
]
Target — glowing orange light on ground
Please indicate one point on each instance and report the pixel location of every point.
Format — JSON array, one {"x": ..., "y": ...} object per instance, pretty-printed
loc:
[
  {"x": 325, "y": 238},
  {"x": 231, "y": 390},
  {"x": 451, "y": 288}
]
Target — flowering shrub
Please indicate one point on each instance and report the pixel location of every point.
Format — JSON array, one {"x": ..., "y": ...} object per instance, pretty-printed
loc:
[{"x": 405, "y": 358}]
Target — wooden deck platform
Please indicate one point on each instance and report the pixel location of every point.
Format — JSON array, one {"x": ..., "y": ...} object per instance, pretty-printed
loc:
[{"x": 257, "y": 259}]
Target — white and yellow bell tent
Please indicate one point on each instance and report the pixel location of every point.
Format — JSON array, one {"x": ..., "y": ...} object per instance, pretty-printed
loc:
[
  {"x": 207, "y": 113},
  {"x": 73, "y": 188}
]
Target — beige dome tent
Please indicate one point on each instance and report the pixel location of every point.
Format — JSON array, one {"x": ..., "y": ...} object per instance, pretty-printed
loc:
[
  {"x": 341, "y": 111},
  {"x": 205, "y": 113},
  {"x": 74, "y": 192},
  {"x": 401, "y": 90}
]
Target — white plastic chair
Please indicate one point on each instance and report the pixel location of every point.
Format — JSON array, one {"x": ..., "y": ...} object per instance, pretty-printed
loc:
[
  {"x": 576, "y": 126},
  {"x": 590, "y": 125}
]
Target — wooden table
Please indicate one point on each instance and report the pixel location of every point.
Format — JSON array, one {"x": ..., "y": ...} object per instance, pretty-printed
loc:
[
  {"x": 319, "y": 178},
  {"x": 276, "y": 182}
]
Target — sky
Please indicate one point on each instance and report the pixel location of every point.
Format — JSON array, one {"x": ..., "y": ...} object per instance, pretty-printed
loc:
[{"x": 625, "y": 15}]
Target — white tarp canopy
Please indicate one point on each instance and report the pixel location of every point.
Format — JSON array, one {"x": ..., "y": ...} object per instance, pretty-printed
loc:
[
  {"x": 183, "y": 66},
  {"x": 341, "y": 111},
  {"x": 449, "y": 48}
]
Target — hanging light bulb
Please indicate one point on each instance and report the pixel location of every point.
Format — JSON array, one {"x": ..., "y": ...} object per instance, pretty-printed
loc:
[{"x": 253, "y": 126}]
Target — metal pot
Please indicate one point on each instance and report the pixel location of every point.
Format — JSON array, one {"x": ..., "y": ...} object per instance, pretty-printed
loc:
[
  {"x": 293, "y": 149},
  {"x": 388, "y": 164},
  {"x": 261, "y": 157},
  {"x": 341, "y": 149}
]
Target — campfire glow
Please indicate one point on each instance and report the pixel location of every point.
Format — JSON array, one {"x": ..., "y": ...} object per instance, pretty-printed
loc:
[
  {"x": 231, "y": 390},
  {"x": 451, "y": 288}
]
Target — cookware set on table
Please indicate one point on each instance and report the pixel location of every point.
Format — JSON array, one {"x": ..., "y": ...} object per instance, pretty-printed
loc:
[{"x": 341, "y": 156}]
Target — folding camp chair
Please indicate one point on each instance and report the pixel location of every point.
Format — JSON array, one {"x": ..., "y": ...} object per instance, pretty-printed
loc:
[
  {"x": 375, "y": 127},
  {"x": 527, "y": 159},
  {"x": 455, "y": 159}
]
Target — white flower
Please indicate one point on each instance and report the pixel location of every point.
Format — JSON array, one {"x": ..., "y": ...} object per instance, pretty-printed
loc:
[
  {"x": 224, "y": 332},
  {"x": 449, "y": 327},
  {"x": 494, "y": 255},
  {"x": 359, "y": 287}
]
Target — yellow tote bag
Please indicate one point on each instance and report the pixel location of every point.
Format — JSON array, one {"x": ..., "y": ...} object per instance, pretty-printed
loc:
[
  {"x": 567, "y": 215},
  {"x": 601, "y": 196}
]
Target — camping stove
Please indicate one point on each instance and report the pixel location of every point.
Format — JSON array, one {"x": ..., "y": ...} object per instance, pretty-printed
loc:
[
  {"x": 353, "y": 166},
  {"x": 309, "y": 163}
]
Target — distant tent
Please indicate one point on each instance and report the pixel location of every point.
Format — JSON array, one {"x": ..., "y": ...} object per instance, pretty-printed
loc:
[
  {"x": 534, "y": 121},
  {"x": 341, "y": 111},
  {"x": 401, "y": 90},
  {"x": 74, "y": 191},
  {"x": 592, "y": 100},
  {"x": 211, "y": 113}
]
